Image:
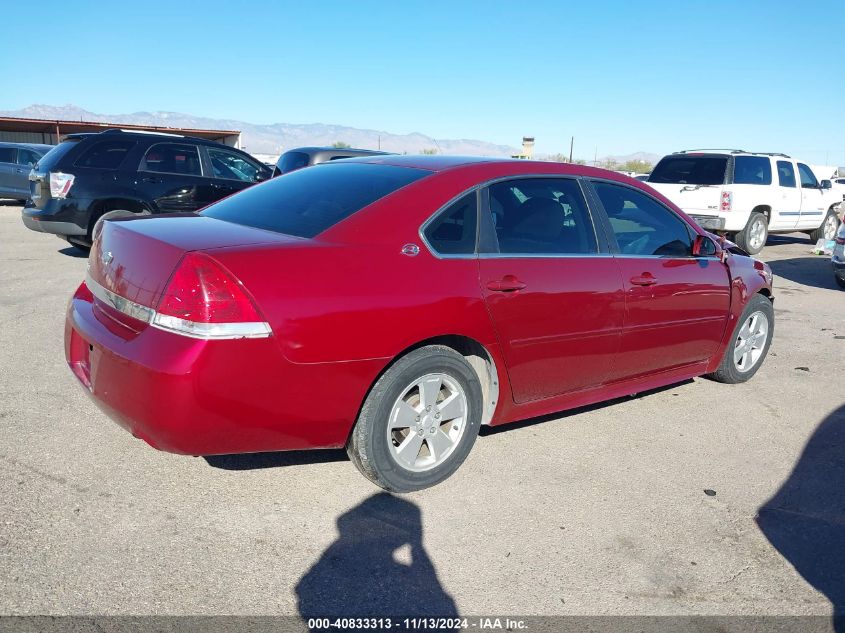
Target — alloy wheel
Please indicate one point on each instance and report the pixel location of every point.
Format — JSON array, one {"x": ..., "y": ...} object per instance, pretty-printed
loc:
[
  {"x": 751, "y": 341},
  {"x": 427, "y": 422}
]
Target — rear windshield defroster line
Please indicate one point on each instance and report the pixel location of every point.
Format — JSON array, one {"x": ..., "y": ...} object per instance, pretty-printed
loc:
[{"x": 308, "y": 201}]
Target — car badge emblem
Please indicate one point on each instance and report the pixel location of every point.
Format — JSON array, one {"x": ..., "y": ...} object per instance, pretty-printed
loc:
[
  {"x": 107, "y": 257},
  {"x": 411, "y": 250}
]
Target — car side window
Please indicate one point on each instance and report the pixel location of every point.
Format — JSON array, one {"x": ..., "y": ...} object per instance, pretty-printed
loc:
[
  {"x": 27, "y": 157},
  {"x": 642, "y": 225},
  {"x": 231, "y": 165},
  {"x": 7, "y": 154},
  {"x": 105, "y": 155},
  {"x": 452, "y": 232},
  {"x": 786, "y": 174},
  {"x": 172, "y": 158},
  {"x": 541, "y": 216},
  {"x": 808, "y": 178}
]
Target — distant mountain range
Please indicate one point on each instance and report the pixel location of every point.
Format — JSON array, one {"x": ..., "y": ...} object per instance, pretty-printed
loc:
[{"x": 276, "y": 137}]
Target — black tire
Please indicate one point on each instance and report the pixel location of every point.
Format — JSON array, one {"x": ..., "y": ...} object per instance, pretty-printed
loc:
[
  {"x": 728, "y": 372},
  {"x": 818, "y": 234},
  {"x": 744, "y": 237},
  {"x": 840, "y": 281},
  {"x": 368, "y": 443},
  {"x": 81, "y": 243},
  {"x": 113, "y": 215}
]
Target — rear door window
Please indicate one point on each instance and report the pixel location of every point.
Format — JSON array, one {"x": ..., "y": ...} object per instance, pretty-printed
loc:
[
  {"x": 172, "y": 158},
  {"x": 105, "y": 154},
  {"x": 752, "y": 170},
  {"x": 7, "y": 154},
  {"x": 541, "y": 216},
  {"x": 690, "y": 169},
  {"x": 786, "y": 174},
  {"x": 306, "y": 202}
]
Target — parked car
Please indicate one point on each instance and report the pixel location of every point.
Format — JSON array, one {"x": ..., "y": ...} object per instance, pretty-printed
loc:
[
  {"x": 305, "y": 156},
  {"x": 747, "y": 195},
  {"x": 838, "y": 256},
  {"x": 395, "y": 305},
  {"x": 16, "y": 161},
  {"x": 119, "y": 173}
]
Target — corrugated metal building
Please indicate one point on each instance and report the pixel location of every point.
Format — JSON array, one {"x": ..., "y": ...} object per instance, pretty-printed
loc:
[{"x": 14, "y": 130}]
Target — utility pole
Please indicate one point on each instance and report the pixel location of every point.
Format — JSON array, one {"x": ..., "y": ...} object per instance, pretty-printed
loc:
[
  {"x": 596, "y": 157},
  {"x": 379, "y": 142},
  {"x": 571, "y": 145}
]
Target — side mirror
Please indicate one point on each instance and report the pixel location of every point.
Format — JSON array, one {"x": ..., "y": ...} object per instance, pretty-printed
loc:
[
  {"x": 703, "y": 246},
  {"x": 826, "y": 184}
]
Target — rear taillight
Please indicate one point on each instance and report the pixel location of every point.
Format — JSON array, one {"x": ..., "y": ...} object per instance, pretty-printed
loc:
[
  {"x": 725, "y": 201},
  {"x": 204, "y": 300},
  {"x": 60, "y": 184}
]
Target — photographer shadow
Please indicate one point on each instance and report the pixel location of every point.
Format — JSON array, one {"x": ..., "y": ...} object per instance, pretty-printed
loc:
[
  {"x": 805, "y": 519},
  {"x": 377, "y": 567}
]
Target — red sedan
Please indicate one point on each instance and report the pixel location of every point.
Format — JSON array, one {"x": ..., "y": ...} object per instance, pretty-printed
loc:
[{"x": 394, "y": 304}]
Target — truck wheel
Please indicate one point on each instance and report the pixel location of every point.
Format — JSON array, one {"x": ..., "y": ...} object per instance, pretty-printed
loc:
[
  {"x": 827, "y": 230},
  {"x": 753, "y": 237}
]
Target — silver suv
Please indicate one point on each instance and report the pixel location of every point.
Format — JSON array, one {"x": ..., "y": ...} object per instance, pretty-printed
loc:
[{"x": 16, "y": 161}]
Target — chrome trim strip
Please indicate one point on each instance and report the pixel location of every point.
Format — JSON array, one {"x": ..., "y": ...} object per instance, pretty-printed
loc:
[
  {"x": 121, "y": 304},
  {"x": 175, "y": 325}
]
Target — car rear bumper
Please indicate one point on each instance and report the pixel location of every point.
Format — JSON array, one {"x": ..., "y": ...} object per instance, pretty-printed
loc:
[
  {"x": 62, "y": 217},
  {"x": 205, "y": 397}
]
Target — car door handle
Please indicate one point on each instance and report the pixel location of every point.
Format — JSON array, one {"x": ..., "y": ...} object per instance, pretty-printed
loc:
[
  {"x": 646, "y": 279},
  {"x": 151, "y": 180},
  {"x": 508, "y": 283}
]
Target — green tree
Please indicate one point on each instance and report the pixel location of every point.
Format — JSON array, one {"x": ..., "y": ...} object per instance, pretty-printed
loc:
[
  {"x": 341, "y": 145},
  {"x": 637, "y": 166},
  {"x": 429, "y": 151}
]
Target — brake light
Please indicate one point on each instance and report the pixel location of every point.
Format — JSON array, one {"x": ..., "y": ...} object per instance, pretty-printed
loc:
[
  {"x": 726, "y": 201},
  {"x": 204, "y": 300},
  {"x": 60, "y": 184}
]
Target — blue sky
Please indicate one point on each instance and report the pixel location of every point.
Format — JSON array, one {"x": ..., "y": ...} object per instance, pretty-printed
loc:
[{"x": 619, "y": 76}]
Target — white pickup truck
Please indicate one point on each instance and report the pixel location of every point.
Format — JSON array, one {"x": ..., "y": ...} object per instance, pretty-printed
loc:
[{"x": 748, "y": 195}]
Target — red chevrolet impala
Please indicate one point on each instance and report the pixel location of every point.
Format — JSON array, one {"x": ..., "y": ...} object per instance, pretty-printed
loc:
[{"x": 394, "y": 304}]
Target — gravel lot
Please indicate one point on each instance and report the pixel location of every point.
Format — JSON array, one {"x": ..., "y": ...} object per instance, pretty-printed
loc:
[{"x": 600, "y": 511}]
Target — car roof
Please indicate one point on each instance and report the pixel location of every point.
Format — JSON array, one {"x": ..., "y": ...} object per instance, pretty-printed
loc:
[
  {"x": 141, "y": 134},
  {"x": 26, "y": 145},
  {"x": 430, "y": 162},
  {"x": 732, "y": 152}
]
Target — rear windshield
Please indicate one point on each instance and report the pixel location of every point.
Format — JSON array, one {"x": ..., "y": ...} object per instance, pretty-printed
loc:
[
  {"x": 291, "y": 161},
  {"x": 51, "y": 158},
  {"x": 690, "y": 170},
  {"x": 309, "y": 201}
]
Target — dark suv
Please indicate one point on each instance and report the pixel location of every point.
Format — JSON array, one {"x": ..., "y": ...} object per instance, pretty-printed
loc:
[{"x": 122, "y": 173}]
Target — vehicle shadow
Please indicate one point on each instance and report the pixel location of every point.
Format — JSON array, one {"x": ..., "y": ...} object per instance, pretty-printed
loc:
[
  {"x": 805, "y": 519},
  {"x": 73, "y": 251},
  {"x": 257, "y": 461},
  {"x": 813, "y": 271},
  {"x": 493, "y": 430},
  {"x": 377, "y": 567},
  {"x": 6, "y": 202}
]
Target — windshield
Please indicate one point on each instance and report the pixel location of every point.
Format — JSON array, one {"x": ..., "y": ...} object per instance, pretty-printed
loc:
[
  {"x": 309, "y": 201},
  {"x": 291, "y": 161},
  {"x": 49, "y": 160},
  {"x": 690, "y": 170}
]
